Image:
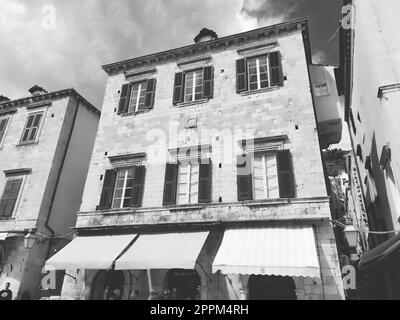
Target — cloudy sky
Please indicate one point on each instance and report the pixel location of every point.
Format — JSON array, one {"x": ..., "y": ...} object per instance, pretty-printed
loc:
[{"x": 61, "y": 44}]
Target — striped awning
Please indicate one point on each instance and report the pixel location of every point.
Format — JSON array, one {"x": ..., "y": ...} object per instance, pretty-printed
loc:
[
  {"x": 282, "y": 251},
  {"x": 96, "y": 252}
]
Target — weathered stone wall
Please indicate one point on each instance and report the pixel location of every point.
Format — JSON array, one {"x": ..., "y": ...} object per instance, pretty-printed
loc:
[{"x": 272, "y": 113}]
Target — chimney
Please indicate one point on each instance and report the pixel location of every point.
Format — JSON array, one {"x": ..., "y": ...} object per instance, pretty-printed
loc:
[
  {"x": 3, "y": 99},
  {"x": 205, "y": 35},
  {"x": 37, "y": 91}
]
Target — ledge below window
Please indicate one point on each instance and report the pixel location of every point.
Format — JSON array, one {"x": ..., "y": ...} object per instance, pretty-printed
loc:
[
  {"x": 26, "y": 144},
  {"x": 191, "y": 103},
  {"x": 128, "y": 114},
  {"x": 246, "y": 93}
]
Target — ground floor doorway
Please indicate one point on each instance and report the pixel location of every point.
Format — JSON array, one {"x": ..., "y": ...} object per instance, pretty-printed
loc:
[
  {"x": 183, "y": 284},
  {"x": 271, "y": 288},
  {"x": 108, "y": 285}
]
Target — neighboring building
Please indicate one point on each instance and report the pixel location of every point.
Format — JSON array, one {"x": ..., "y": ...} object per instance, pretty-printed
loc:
[
  {"x": 207, "y": 177},
  {"x": 328, "y": 104},
  {"x": 368, "y": 77},
  {"x": 46, "y": 141}
]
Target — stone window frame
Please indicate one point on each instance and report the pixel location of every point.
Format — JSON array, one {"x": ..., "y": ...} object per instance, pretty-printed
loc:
[
  {"x": 43, "y": 112},
  {"x": 13, "y": 175},
  {"x": 4, "y": 134}
]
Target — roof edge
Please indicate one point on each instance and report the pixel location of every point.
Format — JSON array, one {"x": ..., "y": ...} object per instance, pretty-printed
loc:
[
  {"x": 23, "y": 102},
  {"x": 203, "y": 46}
]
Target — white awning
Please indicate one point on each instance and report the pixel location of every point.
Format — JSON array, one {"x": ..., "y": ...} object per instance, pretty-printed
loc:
[
  {"x": 5, "y": 235},
  {"x": 97, "y": 252},
  {"x": 163, "y": 251},
  {"x": 281, "y": 251}
]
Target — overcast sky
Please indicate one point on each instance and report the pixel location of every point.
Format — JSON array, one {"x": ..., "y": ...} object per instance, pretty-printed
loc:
[{"x": 68, "y": 51}]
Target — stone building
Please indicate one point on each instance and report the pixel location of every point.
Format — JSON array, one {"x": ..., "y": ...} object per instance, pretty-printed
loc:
[
  {"x": 46, "y": 141},
  {"x": 207, "y": 177},
  {"x": 369, "y": 81}
]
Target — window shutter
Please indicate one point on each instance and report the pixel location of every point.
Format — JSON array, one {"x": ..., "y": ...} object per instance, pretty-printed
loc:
[
  {"x": 205, "y": 176},
  {"x": 208, "y": 82},
  {"x": 150, "y": 93},
  {"x": 285, "y": 174},
  {"x": 138, "y": 186},
  {"x": 178, "y": 88},
  {"x": 108, "y": 189},
  {"x": 171, "y": 177},
  {"x": 10, "y": 196},
  {"x": 241, "y": 75},
  {"x": 124, "y": 99},
  {"x": 275, "y": 68},
  {"x": 3, "y": 126},
  {"x": 244, "y": 178}
]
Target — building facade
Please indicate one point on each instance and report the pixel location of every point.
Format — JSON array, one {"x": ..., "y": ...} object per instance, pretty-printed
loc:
[
  {"x": 46, "y": 141},
  {"x": 369, "y": 80},
  {"x": 206, "y": 178}
]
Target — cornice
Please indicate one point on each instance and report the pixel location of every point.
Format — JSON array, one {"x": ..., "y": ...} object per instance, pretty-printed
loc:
[
  {"x": 203, "y": 47},
  {"x": 33, "y": 101}
]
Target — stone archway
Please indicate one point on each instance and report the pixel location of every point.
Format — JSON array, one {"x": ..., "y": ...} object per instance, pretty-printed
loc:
[
  {"x": 106, "y": 281},
  {"x": 261, "y": 287},
  {"x": 183, "y": 282}
]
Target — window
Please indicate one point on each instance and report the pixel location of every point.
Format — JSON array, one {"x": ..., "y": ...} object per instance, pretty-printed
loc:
[
  {"x": 10, "y": 196},
  {"x": 322, "y": 90},
  {"x": 193, "y": 85},
  {"x": 136, "y": 97},
  {"x": 265, "y": 176},
  {"x": 259, "y": 72},
  {"x": 188, "y": 182},
  {"x": 32, "y": 127},
  {"x": 123, "y": 188},
  {"x": 3, "y": 126}
]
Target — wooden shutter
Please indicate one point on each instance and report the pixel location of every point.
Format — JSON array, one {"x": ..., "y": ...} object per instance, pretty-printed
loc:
[
  {"x": 205, "y": 176},
  {"x": 3, "y": 126},
  {"x": 208, "y": 82},
  {"x": 241, "y": 75},
  {"x": 178, "y": 88},
  {"x": 10, "y": 196},
  {"x": 150, "y": 93},
  {"x": 108, "y": 189},
  {"x": 171, "y": 178},
  {"x": 244, "y": 178},
  {"x": 138, "y": 186},
  {"x": 124, "y": 99},
  {"x": 285, "y": 174},
  {"x": 275, "y": 69}
]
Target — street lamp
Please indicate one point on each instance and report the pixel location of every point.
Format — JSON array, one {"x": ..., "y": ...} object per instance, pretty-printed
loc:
[
  {"x": 30, "y": 239},
  {"x": 351, "y": 234}
]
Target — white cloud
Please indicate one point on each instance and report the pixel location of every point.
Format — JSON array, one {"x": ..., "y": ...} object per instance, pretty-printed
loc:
[{"x": 91, "y": 33}]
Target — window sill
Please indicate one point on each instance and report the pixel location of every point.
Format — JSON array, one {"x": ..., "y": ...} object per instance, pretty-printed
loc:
[
  {"x": 191, "y": 103},
  {"x": 26, "y": 144},
  {"x": 246, "y": 93},
  {"x": 7, "y": 219},
  {"x": 129, "y": 114}
]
